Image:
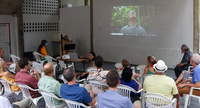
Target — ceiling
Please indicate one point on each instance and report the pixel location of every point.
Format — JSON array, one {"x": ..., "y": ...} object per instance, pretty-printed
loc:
[{"x": 9, "y": 7}]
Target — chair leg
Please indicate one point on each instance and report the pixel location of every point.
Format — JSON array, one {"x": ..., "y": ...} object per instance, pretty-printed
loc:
[
  {"x": 186, "y": 101},
  {"x": 199, "y": 100}
]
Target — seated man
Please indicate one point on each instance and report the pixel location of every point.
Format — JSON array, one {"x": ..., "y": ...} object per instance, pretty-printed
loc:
[
  {"x": 100, "y": 74},
  {"x": 160, "y": 83},
  {"x": 126, "y": 80},
  {"x": 23, "y": 77},
  {"x": 5, "y": 103},
  {"x": 184, "y": 87},
  {"x": 126, "y": 64},
  {"x": 49, "y": 84},
  {"x": 72, "y": 91},
  {"x": 184, "y": 64},
  {"x": 111, "y": 98}
]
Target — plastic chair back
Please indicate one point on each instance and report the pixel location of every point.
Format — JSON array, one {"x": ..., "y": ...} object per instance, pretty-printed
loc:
[
  {"x": 154, "y": 100},
  {"x": 49, "y": 98},
  {"x": 14, "y": 58},
  {"x": 118, "y": 65},
  {"x": 6, "y": 84},
  {"x": 37, "y": 66},
  {"x": 141, "y": 68},
  {"x": 12, "y": 67},
  {"x": 25, "y": 90},
  {"x": 73, "y": 104},
  {"x": 125, "y": 90},
  {"x": 37, "y": 56},
  {"x": 90, "y": 69},
  {"x": 97, "y": 84}
]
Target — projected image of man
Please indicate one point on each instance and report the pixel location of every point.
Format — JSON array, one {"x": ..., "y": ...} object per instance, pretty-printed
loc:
[{"x": 132, "y": 27}]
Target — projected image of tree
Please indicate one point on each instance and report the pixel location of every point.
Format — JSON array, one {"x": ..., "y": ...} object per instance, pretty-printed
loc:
[{"x": 144, "y": 17}]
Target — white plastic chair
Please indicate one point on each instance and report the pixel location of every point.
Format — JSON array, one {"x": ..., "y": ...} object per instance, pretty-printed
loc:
[
  {"x": 155, "y": 100},
  {"x": 141, "y": 71},
  {"x": 90, "y": 69},
  {"x": 7, "y": 86},
  {"x": 118, "y": 65},
  {"x": 14, "y": 58},
  {"x": 98, "y": 84},
  {"x": 120, "y": 73},
  {"x": 73, "y": 104},
  {"x": 38, "y": 67},
  {"x": 125, "y": 90},
  {"x": 12, "y": 67},
  {"x": 50, "y": 99},
  {"x": 189, "y": 68},
  {"x": 25, "y": 91},
  {"x": 188, "y": 96},
  {"x": 37, "y": 56},
  {"x": 78, "y": 81},
  {"x": 55, "y": 65}
]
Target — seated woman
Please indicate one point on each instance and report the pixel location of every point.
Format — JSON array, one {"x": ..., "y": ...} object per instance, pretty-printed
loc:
[
  {"x": 42, "y": 50},
  {"x": 126, "y": 64},
  {"x": 151, "y": 60},
  {"x": 126, "y": 80},
  {"x": 7, "y": 75},
  {"x": 91, "y": 57}
]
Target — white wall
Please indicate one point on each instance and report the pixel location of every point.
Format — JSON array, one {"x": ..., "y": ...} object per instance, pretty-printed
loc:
[
  {"x": 13, "y": 31},
  {"x": 76, "y": 21},
  {"x": 174, "y": 24},
  {"x": 74, "y": 2}
]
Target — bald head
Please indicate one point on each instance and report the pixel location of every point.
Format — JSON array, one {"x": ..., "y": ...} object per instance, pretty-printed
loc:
[{"x": 48, "y": 69}]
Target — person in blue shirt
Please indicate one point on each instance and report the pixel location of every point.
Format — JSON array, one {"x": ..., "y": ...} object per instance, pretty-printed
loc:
[
  {"x": 126, "y": 80},
  {"x": 72, "y": 91},
  {"x": 185, "y": 62},
  {"x": 184, "y": 87},
  {"x": 111, "y": 98}
]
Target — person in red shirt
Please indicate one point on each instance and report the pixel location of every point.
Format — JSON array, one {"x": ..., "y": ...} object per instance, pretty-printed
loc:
[{"x": 23, "y": 77}]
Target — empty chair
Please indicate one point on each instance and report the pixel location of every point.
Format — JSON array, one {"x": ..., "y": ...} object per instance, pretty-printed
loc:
[
  {"x": 50, "y": 100},
  {"x": 154, "y": 100},
  {"x": 126, "y": 90},
  {"x": 14, "y": 58},
  {"x": 26, "y": 94}
]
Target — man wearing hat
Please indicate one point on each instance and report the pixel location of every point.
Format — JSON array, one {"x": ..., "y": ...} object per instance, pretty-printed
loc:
[{"x": 160, "y": 83}]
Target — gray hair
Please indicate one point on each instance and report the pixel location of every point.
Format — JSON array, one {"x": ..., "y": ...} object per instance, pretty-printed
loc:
[
  {"x": 69, "y": 74},
  {"x": 196, "y": 58},
  {"x": 185, "y": 47}
]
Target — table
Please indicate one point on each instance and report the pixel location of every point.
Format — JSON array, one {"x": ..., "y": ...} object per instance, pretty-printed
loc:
[{"x": 74, "y": 61}]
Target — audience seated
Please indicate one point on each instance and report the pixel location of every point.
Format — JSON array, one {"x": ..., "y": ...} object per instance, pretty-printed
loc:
[
  {"x": 160, "y": 83},
  {"x": 184, "y": 87},
  {"x": 72, "y": 91},
  {"x": 5, "y": 103},
  {"x": 100, "y": 74},
  {"x": 185, "y": 62},
  {"x": 126, "y": 80},
  {"x": 151, "y": 60},
  {"x": 7, "y": 75},
  {"x": 49, "y": 84},
  {"x": 126, "y": 64},
  {"x": 111, "y": 98},
  {"x": 23, "y": 76}
]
